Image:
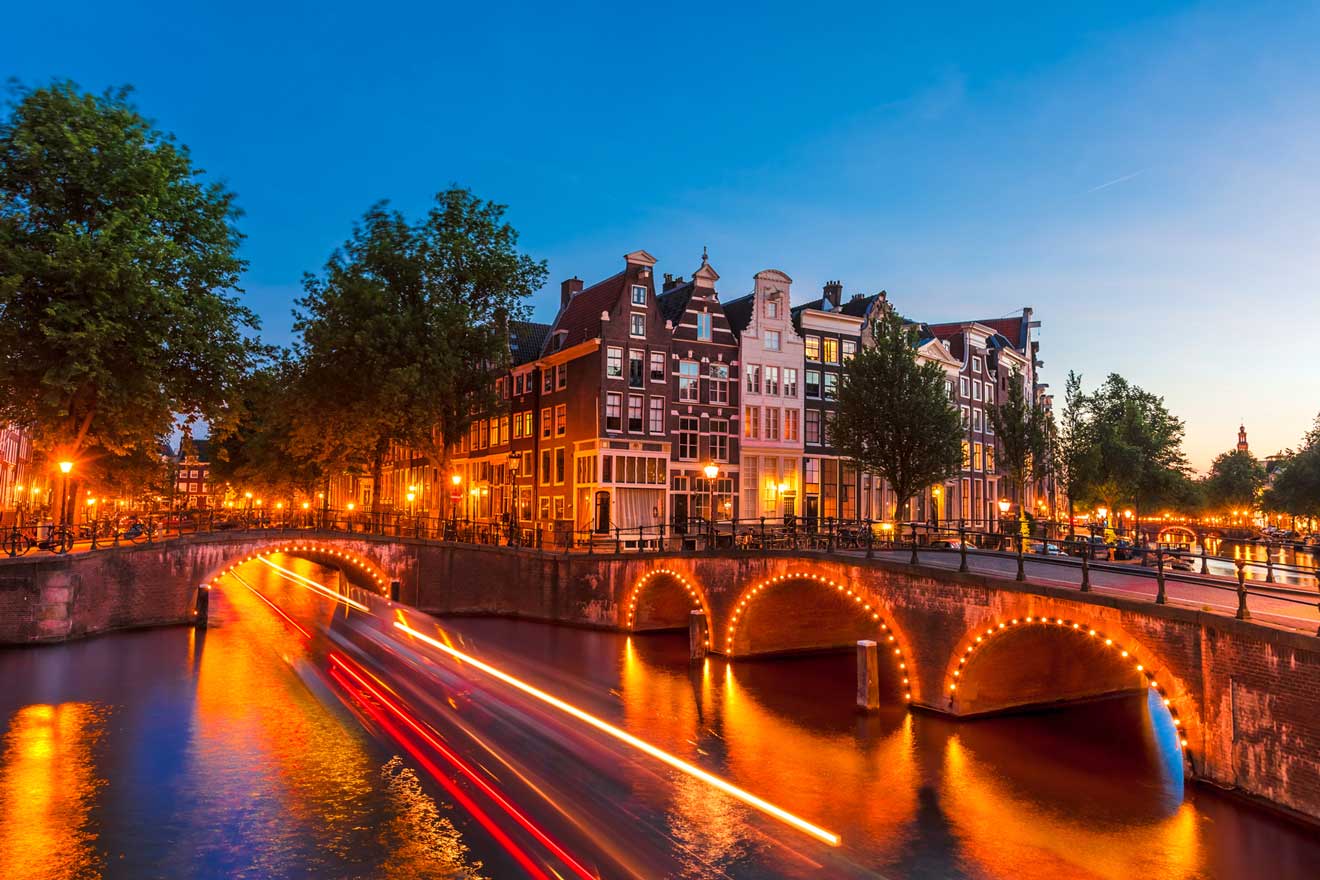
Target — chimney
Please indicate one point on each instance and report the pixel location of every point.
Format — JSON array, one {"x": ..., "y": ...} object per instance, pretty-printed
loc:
[
  {"x": 569, "y": 289},
  {"x": 833, "y": 295},
  {"x": 671, "y": 282}
]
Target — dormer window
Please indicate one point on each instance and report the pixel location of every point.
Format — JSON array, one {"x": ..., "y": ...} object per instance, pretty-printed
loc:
[
  {"x": 772, "y": 308},
  {"x": 638, "y": 295}
]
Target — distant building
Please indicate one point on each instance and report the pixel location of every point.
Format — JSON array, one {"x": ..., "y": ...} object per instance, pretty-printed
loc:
[
  {"x": 192, "y": 486},
  {"x": 18, "y": 477}
]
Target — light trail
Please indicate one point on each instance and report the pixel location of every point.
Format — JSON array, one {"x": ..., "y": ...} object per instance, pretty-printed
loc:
[
  {"x": 277, "y": 609},
  {"x": 313, "y": 585},
  {"x": 464, "y": 768},
  {"x": 623, "y": 736}
]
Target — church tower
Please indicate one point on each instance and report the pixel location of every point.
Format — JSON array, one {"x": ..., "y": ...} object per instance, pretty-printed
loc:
[{"x": 1242, "y": 438}]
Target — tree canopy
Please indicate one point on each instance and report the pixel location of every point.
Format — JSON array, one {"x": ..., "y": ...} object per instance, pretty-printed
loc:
[
  {"x": 1234, "y": 482},
  {"x": 1296, "y": 487},
  {"x": 405, "y": 330},
  {"x": 118, "y": 279},
  {"x": 895, "y": 418}
]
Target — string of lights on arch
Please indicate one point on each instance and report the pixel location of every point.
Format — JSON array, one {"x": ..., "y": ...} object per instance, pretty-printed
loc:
[
  {"x": 894, "y": 649},
  {"x": 979, "y": 640},
  {"x": 693, "y": 593},
  {"x": 353, "y": 559}
]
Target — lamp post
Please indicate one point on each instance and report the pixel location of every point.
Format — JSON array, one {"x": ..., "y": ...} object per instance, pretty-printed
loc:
[
  {"x": 515, "y": 462},
  {"x": 65, "y": 468},
  {"x": 1004, "y": 505},
  {"x": 712, "y": 471},
  {"x": 935, "y": 494}
]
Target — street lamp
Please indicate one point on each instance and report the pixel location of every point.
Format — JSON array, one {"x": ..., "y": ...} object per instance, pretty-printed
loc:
[
  {"x": 515, "y": 462},
  {"x": 66, "y": 467},
  {"x": 935, "y": 494},
  {"x": 712, "y": 471},
  {"x": 1004, "y": 504}
]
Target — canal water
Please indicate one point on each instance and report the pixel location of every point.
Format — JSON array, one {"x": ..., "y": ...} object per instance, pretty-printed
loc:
[{"x": 228, "y": 753}]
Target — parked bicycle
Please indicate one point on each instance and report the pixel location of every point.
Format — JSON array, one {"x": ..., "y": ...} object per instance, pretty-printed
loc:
[{"x": 17, "y": 542}]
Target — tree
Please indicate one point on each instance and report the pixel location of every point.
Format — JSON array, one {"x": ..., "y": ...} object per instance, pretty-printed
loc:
[
  {"x": 1074, "y": 453},
  {"x": 1235, "y": 481},
  {"x": 1023, "y": 429},
  {"x": 1296, "y": 487},
  {"x": 118, "y": 264},
  {"x": 404, "y": 332},
  {"x": 895, "y": 418}
]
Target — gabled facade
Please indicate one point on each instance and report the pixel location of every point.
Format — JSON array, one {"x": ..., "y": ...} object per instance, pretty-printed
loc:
[
  {"x": 770, "y": 362},
  {"x": 704, "y": 394}
]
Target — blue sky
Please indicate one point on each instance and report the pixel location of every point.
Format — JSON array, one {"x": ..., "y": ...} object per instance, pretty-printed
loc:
[{"x": 1145, "y": 175}]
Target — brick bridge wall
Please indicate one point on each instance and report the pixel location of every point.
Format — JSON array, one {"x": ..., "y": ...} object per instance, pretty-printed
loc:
[{"x": 1246, "y": 696}]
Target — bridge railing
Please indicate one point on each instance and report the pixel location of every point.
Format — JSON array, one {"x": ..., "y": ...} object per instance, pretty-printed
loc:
[{"x": 1046, "y": 543}]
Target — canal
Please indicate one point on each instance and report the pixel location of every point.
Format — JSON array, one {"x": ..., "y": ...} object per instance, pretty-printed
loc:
[{"x": 234, "y": 753}]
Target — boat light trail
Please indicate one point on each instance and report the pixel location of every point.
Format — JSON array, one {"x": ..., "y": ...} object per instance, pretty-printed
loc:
[
  {"x": 623, "y": 736},
  {"x": 462, "y": 766},
  {"x": 314, "y": 586},
  {"x": 277, "y": 609}
]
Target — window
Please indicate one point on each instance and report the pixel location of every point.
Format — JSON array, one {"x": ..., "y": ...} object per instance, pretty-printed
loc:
[
  {"x": 635, "y": 413},
  {"x": 813, "y": 383},
  {"x": 772, "y": 308},
  {"x": 772, "y": 381},
  {"x": 791, "y": 419},
  {"x": 560, "y": 467},
  {"x": 545, "y": 467},
  {"x": 561, "y": 377},
  {"x": 545, "y": 507},
  {"x": 637, "y": 326},
  {"x": 504, "y": 429},
  {"x": 546, "y": 425},
  {"x": 811, "y": 348},
  {"x": 614, "y": 363},
  {"x": 613, "y": 411},
  {"x": 976, "y": 366},
  {"x": 826, "y": 422},
  {"x": 976, "y": 420},
  {"x": 962, "y": 386},
  {"x": 967, "y": 455},
  {"x": 989, "y": 392},
  {"x": 687, "y": 438},
  {"x": 831, "y": 387},
  {"x": 703, "y": 326},
  {"x": 966, "y": 417},
  {"x": 989, "y": 458},
  {"x": 719, "y": 383},
  {"x": 719, "y": 439},
  {"x": 638, "y": 295},
  {"x": 849, "y": 349},
  {"x": 772, "y": 423},
  {"x": 976, "y": 456},
  {"x": 790, "y": 381},
  {"x": 657, "y": 366},
  {"x": 976, "y": 390},
  {"x": 989, "y": 422},
  {"x": 813, "y": 427},
  {"x": 636, "y": 368},
  {"x": 753, "y": 372},
  {"x": 948, "y": 388},
  {"x": 688, "y": 381},
  {"x": 561, "y": 420},
  {"x": 752, "y": 422},
  {"x": 657, "y": 425},
  {"x": 547, "y": 380},
  {"x": 771, "y": 340},
  {"x": 483, "y": 433},
  {"x": 830, "y": 349}
]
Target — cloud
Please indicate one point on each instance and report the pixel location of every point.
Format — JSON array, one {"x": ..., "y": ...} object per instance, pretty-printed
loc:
[{"x": 1115, "y": 181}]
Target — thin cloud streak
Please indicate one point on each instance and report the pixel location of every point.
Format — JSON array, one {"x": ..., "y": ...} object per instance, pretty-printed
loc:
[{"x": 1115, "y": 181}]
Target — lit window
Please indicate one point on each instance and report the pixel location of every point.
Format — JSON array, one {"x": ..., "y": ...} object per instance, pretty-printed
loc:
[
  {"x": 752, "y": 422},
  {"x": 811, "y": 348},
  {"x": 561, "y": 420},
  {"x": 849, "y": 349},
  {"x": 830, "y": 348}
]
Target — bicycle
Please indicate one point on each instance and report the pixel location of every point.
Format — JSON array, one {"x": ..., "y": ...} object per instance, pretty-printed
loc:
[{"x": 18, "y": 542}]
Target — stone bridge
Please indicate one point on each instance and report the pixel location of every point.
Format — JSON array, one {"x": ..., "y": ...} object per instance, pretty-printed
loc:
[{"x": 1244, "y": 697}]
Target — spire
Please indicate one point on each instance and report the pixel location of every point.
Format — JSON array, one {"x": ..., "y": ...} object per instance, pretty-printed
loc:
[{"x": 1242, "y": 437}]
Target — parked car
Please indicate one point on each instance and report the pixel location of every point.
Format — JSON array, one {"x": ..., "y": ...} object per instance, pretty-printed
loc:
[
  {"x": 1125, "y": 549},
  {"x": 1093, "y": 546},
  {"x": 946, "y": 544}
]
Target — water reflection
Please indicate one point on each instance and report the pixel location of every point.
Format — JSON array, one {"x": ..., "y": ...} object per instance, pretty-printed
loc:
[{"x": 48, "y": 787}]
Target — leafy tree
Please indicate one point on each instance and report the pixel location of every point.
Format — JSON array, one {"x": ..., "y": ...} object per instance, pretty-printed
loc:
[
  {"x": 117, "y": 266},
  {"x": 895, "y": 418},
  {"x": 1235, "y": 481},
  {"x": 404, "y": 332},
  {"x": 1296, "y": 487},
  {"x": 1023, "y": 428},
  {"x": 1074, "y": 453}
]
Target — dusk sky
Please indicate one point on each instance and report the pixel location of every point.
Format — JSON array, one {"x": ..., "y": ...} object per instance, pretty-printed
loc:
[{"x": 1146, "y": 176}]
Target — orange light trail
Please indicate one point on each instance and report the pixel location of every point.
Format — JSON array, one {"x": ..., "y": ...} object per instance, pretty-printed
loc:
[
  {"x": 313, "y": 585},
  {"x": 623, "y": 736},
  {"x": 277, "y": 609},
  {"x": 462, "y": 766}
]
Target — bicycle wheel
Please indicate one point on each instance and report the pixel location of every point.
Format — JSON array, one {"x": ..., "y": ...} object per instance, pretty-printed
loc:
[
  {"x": 14, "y": 543},
  {"x": 62, "y": 541}
]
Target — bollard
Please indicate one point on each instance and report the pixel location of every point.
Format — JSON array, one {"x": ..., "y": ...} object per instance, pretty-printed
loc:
[
  {"x": 1086, "y": 571},
  {"x": 394, "y": 591},
  {"x": 1160, "y": 597},
  {"x": 203, "y": 610},
  {"x": 962, "y": 546},
  {"x": 1021, "y": 572},
  {"x": 698, "y": 636},
  {"x": 1242, "y": 612},
  {"x": 868, "y": 677},
  {"x": 913, "y": 560},
  {"x": 1269, "y": 567},
  {"x": 1205, "y": 560}
]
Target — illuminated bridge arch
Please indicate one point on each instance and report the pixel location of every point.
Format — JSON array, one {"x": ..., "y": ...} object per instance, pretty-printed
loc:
[
  {"x": 1169, "y": 531},
  {"x": 1036, "y": 660},
  {"x": 367, "y": 572},
  {"x": 664, "y": 598},
  {"x": 771, "y": 617}
]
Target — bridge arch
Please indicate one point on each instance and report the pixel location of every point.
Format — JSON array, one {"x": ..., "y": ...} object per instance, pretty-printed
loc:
[
  {"x": 316, "y": 551},
  {"x": 1180, "y": 531},
  {"x": 851, "y": 611},
  {"x": 990, "y": 671},
  {"x": 664, "y": 598}
]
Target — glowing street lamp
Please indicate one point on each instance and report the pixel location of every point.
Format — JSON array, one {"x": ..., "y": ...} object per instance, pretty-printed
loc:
[
  {"x": 66, "y": 467},
  {"x": 712, "y": 471}
]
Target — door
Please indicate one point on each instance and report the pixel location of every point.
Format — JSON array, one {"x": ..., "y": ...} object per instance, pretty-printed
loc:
[
  {"x": 680, "y": 511},
  {"x": 602, "y": 512},
  {"x": 811, "y": 510}
]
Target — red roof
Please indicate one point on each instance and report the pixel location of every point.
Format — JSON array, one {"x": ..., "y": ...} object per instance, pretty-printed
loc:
[
  {"x": 1009, "y": 328},
  {"x": 581, "y": 318}
]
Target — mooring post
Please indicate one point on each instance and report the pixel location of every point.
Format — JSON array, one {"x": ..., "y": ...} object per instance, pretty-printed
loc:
[
  {"x": 1160, "y": 597},
  {"x": 202, "y": 611},
  {"x": 1242, "y": 612},
  {"x": 1021, "y": 570},
  {"x": 697, "y": 635},
  {"x": 868, "y": 677},
  {"x": 1086, "y": 570},
  {"x": 962, "y": 545},
  {"x": 394, "y": 591}
]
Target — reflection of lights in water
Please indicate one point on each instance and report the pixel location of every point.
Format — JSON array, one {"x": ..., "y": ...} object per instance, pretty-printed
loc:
[
  {"x": 628, "y": 739},
  {"x": 48, "y": 787},
  {"x": 418, "y": 834},
  {"x": 1008, "y": 832},
  {"x": 313, "y": 585}
]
